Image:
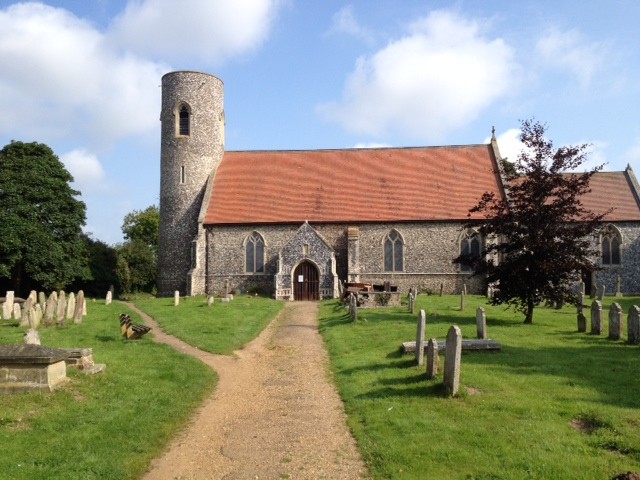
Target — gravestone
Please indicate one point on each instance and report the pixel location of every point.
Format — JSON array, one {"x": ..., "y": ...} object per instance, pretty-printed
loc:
[
  {"x": 176, "y": 298},
  {"x": 10, "y": 297},
  {"x": 582, "y": 288},
  {"x": 6, "y": 310},
  {"x": 71, "y": 306},
  {"x": 33, "y": 295},
  {"x": 109, "y": 298},
  {"x": 422, "y": 323},
  {"x": 354, "y": 307},
  {"x": 210, "y": 301},
  {"x": 50, "y": 309},
  {"x": 224, "y": 300},
  {"x": 433, "y": 358},
  {"x": 441, "y": 288},
  {"x": 596, "y": 318},
  {"x": 32, "y": 337},
  {"x": 615, "y": 321},
  {"x": 618, "y": 285},
  {"x": 582, "y": 322},
  {"x": 633, "y": 327},
  {"x": 600, "y": 292},
  {"x": 61, "y": 308},
  {"x": 80, "y": 309},
  {"x": 36, "y": 316},
  {"x": 42, "y": 300},
  {"x": 26, "y": 311},
  {"x": 464, "y": 288},
  {"x": 462, "y": 301},
  {"x": 411, "y": 302},
  {"x": 481, "y": 323},
  {"x": 453, "y": 351},
  {"x": 17, "y": 311}
]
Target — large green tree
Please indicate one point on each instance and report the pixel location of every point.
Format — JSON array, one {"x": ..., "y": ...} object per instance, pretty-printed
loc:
[
  {"x": 143, "y": 226},
  {"x": 41, "y": 218},
  {"x": 540, "y": 238}
]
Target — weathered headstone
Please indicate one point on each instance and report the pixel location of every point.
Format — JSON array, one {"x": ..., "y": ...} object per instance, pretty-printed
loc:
[
  {"x": 32, "y": 337},
  {"x": 224, "y": 300},
  {"x": 81, "y": 305},
  {"x": 596, "y": 318},
  {"x": 42, "y": 300},
  {"x": 600, "y": 292},
  {"x": 230, "y": 296},
  {"x": 71, "y": 306},
  {"x": 33, "y": 295},
  {"x": 7, "y": 306},
  {"x": 615, "y": 321},
  {"x": 210, "y": 300},
  {"x": 441, "y": 288},
  {"x": 17, "y": 311},
  {"x": 618, "y": 285},
  {"x": 422, "y": 323},
  {"x": 36, "y": 316},
  {"x": 109, "y": 298},
  {"x": 10, "y": 297},
  {"x": 176, "y": 298},
  {"x": 433, "y": 359},
  {"x": 412, "y": 301},
  {"x": 582, "y": 322},
  {"x": 481, "y": 323},
  {"x": 462, "y": 301},
  {"x": 354, "y": 307},
  {"x": 50, "y": 309},
  {"x": 453, "y": 351},
  {"x": 464, "y": 288},
  {"x": 26, "y": 311},
  {"x": 61, "y": 308},
  {"x": 633, "y": 327}
]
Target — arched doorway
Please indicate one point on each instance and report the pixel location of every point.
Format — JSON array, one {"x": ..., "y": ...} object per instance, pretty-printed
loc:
[{"x": 306, "y": 285}]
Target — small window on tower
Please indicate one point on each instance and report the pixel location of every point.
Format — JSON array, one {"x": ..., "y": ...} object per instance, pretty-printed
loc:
[
  {"x": 183, "y": 129},
  {"x": 182, "y": 174}
]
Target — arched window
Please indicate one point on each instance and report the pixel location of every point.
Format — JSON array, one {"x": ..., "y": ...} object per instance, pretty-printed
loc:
[
  {"x": 393, "y": 252},
  {"x": 469, "y": 248},
  {"x": 254, "y": 254},
  {"x": 184, "y": 121},
  {"x": 610, "y": 245}
]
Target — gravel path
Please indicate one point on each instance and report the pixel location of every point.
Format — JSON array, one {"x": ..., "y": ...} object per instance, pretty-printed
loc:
[{"x": 273, "y": 415}]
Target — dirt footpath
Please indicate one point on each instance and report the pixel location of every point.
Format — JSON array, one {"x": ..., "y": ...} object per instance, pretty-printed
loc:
[{"x": 273, "y": 415}]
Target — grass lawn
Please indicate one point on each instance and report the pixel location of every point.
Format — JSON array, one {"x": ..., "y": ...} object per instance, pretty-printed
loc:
[
  {"x": 220, "y": 328},
  {"x": 553, "y": 404},
  {"x": 110, "y": 425}
]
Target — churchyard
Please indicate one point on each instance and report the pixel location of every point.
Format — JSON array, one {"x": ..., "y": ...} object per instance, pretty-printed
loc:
[{"x": 552, "y": 403}]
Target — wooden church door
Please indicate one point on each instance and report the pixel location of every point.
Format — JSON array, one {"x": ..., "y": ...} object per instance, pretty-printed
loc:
[{"x": 306, "y": 282}]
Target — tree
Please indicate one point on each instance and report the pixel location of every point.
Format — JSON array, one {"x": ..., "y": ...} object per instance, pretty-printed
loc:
[
  {"x": 540, "y": 238},
  {"x": 42, "y": 246},
  {"x": 102, "y": 265},
  {"x": 137, "y": 257},
  {"x": 143, "y": 226}
]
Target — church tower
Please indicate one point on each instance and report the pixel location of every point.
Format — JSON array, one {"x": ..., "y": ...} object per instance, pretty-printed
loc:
[{"x": 192, "y": 145}]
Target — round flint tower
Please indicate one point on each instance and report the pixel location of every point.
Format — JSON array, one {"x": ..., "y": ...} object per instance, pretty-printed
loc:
[{"x": 192, "y": 145}]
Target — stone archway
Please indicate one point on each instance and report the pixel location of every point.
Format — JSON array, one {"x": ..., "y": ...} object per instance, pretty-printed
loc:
[{"x": 306, "y": 281}]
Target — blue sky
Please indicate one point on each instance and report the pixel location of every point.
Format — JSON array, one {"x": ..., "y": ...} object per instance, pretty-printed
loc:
[{"x": 83, "y": 77}]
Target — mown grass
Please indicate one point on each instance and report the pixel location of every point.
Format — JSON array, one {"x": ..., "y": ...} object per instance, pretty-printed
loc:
[
  {"x": 553, "y": 404},
  {"x": 110, "y": 425},
  {"x": 220, "y": 328}
]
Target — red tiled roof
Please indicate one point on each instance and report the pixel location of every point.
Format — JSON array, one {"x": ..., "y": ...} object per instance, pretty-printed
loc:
[
  {"x": 356, "y": 185},
  {"x": 612, "y": 190}
]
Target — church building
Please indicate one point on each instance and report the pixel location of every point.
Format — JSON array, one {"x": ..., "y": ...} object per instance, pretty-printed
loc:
[{"x": 297, "y": 224}]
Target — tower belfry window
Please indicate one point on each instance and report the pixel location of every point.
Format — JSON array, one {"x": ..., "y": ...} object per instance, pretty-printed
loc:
[{"x": 184, "y": 126}]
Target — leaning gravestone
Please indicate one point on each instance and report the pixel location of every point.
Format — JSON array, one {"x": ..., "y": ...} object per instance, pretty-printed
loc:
[
  {"x": 453, "y": 351},
  {"x": 433, "y": 358},
  {"x": 422, "y": 322},
  {"x": 481, "y": 323},
  {"x": 596, "y": 318},
  {"x": 81, "y": 305},
  {"x": 615, "y": 321},
  {"x": 71, "y": 306},
  {"x": 33, "y": 295},
  {"x": 634, "y": 325}
]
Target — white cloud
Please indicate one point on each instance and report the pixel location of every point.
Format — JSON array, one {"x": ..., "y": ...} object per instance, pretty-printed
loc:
[
  {"x": 344, "y": 21},
  {"x": 570, "y": 51},
  {"x": 207, "y": 30},
  {"x": 61, "y": 78},
  {"x": 437, "y": 78},
  {"x": 86, "y": 169},
  {"x": 371, "y": 145},
  {"x": 509, "y": 144}
]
